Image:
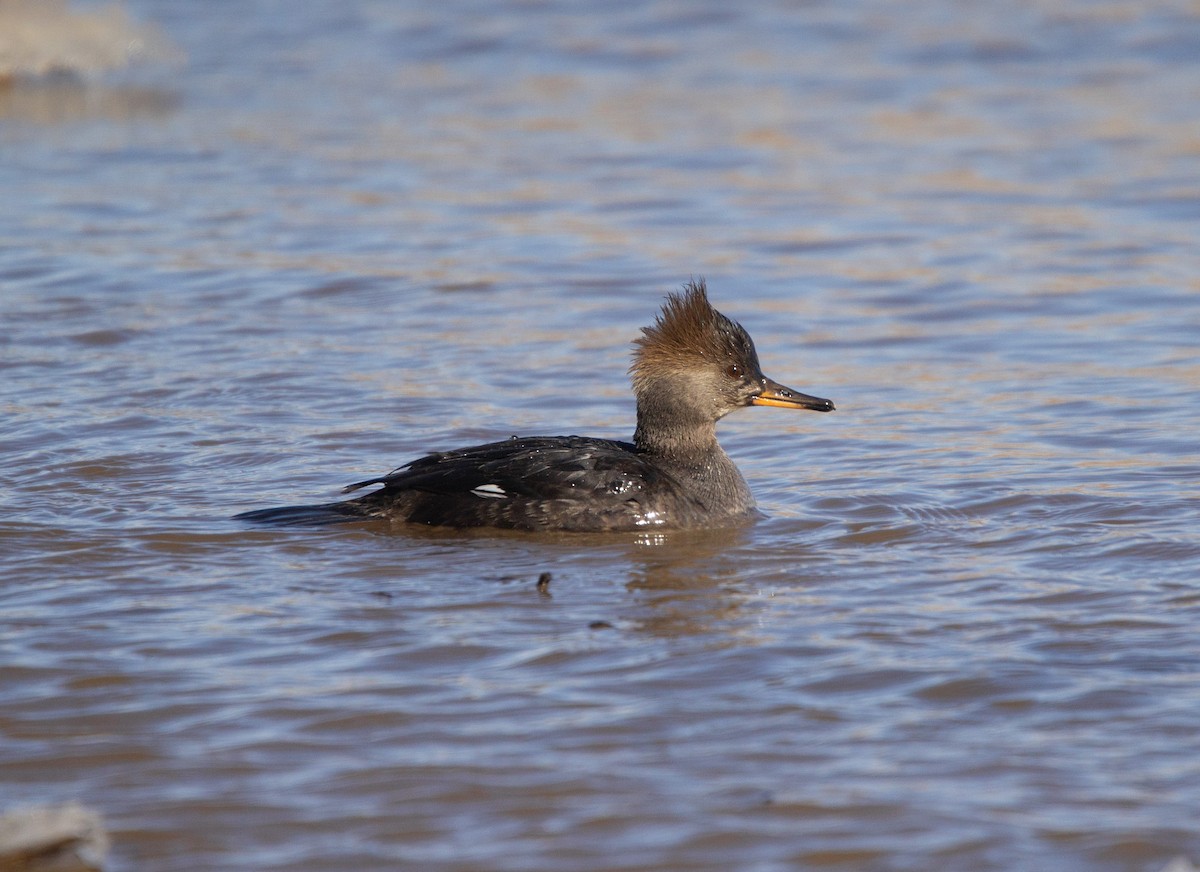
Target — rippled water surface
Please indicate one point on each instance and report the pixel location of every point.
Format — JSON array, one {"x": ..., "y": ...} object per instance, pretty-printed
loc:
[{"x": 307, "y": 242}]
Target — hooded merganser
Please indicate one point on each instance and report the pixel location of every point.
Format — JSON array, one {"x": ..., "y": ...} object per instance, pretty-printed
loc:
[{"x": 690, "y": 369}]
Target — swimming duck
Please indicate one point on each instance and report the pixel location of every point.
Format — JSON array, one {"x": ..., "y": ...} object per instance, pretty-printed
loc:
[{"x": 691, "y": 368}]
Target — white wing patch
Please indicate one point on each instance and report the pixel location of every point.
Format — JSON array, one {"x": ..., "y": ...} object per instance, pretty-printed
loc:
[{"x": 490, "y": 492}]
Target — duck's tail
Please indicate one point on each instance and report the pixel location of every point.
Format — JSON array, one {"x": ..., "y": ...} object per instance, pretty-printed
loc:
[{"x": 326, "y": 513}]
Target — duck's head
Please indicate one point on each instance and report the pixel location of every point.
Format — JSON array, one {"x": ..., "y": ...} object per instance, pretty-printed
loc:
[{"x": 693, "y": 361}]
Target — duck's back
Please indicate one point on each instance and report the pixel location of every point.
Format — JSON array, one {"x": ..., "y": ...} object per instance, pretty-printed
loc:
[{"x": 533, "y": 483}]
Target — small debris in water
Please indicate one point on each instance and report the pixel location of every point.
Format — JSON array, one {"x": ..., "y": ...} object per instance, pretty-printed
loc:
[
  {"x": 543, "y": 584},
  {"x": 600, "y": 625}
]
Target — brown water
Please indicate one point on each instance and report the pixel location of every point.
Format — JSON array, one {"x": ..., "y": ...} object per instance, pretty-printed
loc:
[{"x": 341, "y": 235}]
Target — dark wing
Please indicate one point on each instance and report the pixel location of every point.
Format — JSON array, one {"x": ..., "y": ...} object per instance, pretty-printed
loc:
[{"x": 531, "y": 482}]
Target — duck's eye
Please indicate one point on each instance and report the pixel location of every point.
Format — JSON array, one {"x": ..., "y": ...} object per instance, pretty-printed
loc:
[{"x": 733, "y": 371}]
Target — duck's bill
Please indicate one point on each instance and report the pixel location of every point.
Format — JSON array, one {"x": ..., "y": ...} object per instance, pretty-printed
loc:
[{"x": 775, "y": 394}]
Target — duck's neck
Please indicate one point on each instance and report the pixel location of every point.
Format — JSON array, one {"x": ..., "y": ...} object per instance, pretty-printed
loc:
[{"x": 685, "y": 443}]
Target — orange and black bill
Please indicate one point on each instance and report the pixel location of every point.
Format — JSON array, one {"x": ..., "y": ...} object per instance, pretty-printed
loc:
[{"x": 775, "y": 394}]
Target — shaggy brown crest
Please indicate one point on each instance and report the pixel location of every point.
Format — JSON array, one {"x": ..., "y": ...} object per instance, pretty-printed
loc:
[{"x": 687, "y": 333}]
